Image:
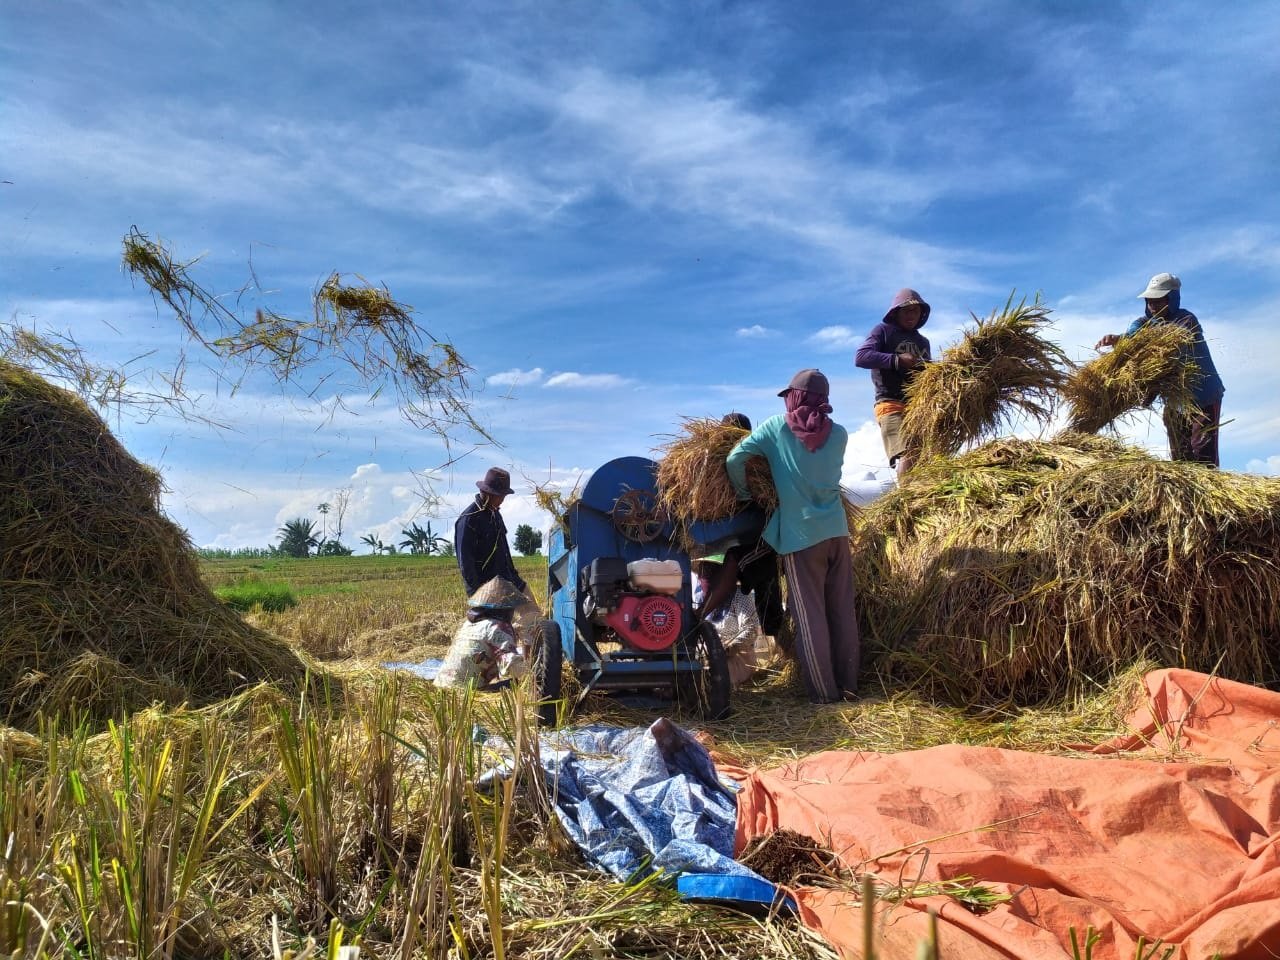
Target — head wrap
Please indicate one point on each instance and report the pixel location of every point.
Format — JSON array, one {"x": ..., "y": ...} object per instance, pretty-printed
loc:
[{"x": 807, "y": 417}]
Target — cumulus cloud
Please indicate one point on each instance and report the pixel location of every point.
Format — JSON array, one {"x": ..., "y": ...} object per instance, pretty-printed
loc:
[
  {"x": 1269, "y": 467},
  {"x": 514, "y": 377},
  {"x": 836, "y": 338},
  {"x": 755, "y": 332},
  {"x": 571, "y": 379}
]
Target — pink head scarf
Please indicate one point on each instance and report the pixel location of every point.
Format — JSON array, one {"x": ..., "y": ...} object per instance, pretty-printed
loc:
[{"x": 807, "y": 417}]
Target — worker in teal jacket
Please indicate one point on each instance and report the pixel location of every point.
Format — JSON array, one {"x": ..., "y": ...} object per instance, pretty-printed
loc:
[{"x": 809, "y": 530}]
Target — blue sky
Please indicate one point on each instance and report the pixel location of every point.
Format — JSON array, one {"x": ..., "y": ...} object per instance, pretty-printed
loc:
[{"x": 625, "y": 214}]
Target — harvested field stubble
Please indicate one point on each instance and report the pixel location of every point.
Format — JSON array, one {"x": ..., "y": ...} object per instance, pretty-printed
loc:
[
  {"x": 1026, "y": 570},
  {"x": 104, "y": 605},
  {"x": 311, "y": 820}
]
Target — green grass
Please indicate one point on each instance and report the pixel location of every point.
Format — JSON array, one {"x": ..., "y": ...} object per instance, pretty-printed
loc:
[
  {"x": 247, "y": 595},
  {"x": 322, "y": 571}
]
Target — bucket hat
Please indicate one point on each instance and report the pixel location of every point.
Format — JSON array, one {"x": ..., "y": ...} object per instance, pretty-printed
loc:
[
  {"x": 496, "y": 481},
  {"x": 1161, "y": 285},
  {"x": 496, "y": 594},
  {"x": 812, "y": 380}
]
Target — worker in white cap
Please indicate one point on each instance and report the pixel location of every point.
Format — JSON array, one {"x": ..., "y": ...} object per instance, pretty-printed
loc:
[{"x": 1192, "y": 437}]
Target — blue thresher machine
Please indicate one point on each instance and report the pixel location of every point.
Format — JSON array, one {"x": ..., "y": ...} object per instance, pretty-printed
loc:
[{"x": 622, "y": 621}]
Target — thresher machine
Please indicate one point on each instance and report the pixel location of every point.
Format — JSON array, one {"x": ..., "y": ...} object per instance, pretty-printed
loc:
[{"x": 620, "y": 587}]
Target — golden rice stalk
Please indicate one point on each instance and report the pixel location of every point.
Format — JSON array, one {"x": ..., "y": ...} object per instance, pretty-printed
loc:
[
  {"x": 693, "y": 483},
  {"x": 1002, "y": 368},
  {"x": 1151, "y": 363}
]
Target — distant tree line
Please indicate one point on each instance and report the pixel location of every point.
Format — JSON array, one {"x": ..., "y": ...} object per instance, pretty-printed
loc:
[{"x": 300, "y": 537}]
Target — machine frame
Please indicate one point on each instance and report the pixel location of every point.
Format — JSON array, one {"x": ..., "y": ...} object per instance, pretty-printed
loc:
[{"x": 617, "y": 516}]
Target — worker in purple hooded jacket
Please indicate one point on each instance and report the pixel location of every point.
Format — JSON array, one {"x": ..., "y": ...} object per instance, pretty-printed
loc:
[{"x": 893, "y": 351}]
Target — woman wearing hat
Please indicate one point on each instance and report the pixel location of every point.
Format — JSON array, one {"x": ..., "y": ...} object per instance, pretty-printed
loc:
[
  {"x": 809, "y": 530},
  {"x": 480, "y": 541},
  {"x": 484, "y": 648},
  {"x": 893, "y": 351},
  {"x": 1193, "y": 438}
]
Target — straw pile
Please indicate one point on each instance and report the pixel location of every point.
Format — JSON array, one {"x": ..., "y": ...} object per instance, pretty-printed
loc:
[
  {"x": 1001, "y": 370},
  {"x": 104, "y": 609},
  {"x": 1028, "y": 570},
  {"x": 692, "y": 481},
  {"x": 1151, "y": 363}
]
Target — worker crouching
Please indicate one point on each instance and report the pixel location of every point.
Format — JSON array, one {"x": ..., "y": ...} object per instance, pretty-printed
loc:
[{"x": 484, "y": 652}]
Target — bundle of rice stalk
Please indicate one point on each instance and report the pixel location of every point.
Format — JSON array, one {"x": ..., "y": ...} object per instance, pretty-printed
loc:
[
  {"x": 101, "y": 590},
  {"x": 1003, "y": 368},
  {"x": 1003, "y": 576},
  {"x": 693, "y": 483},
  {"x": 1151, "y": 363}
]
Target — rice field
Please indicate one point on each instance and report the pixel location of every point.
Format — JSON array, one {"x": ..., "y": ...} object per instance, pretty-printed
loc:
[{"x": 276, "y": 826}]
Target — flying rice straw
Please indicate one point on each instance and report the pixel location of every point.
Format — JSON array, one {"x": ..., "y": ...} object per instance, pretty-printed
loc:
[
  {"x": 1002, "y": 369},
  {"x": 1147, "y": 364}
]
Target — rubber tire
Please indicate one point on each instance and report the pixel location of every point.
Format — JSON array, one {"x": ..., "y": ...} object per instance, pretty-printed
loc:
[
  {"x": 711, "y": 692},
  {"x": 548, "y": 672}
]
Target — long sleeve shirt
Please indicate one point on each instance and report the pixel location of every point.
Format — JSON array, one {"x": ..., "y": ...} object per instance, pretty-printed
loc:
[
  {"x": 810, "y": 508},
  {"x": 480, "y": 541},
  {"x": 879, "y": 353},
  {"x": 1208, "y": 388}
]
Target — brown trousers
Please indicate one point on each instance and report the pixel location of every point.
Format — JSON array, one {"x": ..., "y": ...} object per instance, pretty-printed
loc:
[{"x": 820, "y": 598}]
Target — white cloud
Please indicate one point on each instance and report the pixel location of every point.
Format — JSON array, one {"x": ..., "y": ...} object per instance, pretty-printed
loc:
[
  {"x": 1269, "y": 467},
  {"x": 514, "y": 377},
  {"x": 836, "y": 338},
  {"x": 755, "y": 332},
  {"x": 579, "y": 380}
]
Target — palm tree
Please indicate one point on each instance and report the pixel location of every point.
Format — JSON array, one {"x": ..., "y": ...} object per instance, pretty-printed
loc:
[
  {"x": 324, "y": 509},
  {"x": 422, "y": 542},
  {"x": 297, "y": 537},
  {"x": 372, "y": 542}
]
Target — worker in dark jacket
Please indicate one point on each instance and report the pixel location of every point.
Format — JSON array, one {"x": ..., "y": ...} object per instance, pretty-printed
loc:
[
  {"x": 480, "y": 540},
  {"x": 894, "y": 349},
  {"x": 1192, "y": 437}
]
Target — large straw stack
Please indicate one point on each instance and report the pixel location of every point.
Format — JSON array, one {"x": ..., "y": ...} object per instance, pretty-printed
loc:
[
  {"x": 1027, "y": 570},
  {"x": 103, "y": 606},
  {"x": 1139, "y": 368},
  {"x": 1002, "y": 370}
]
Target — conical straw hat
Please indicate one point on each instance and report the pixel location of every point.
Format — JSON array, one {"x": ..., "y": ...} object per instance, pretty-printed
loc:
[{"x": 497, "y": 594}]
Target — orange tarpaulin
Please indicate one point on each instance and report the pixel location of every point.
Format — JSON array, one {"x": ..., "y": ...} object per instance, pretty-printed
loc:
[{"x": 1170, "y": 833}]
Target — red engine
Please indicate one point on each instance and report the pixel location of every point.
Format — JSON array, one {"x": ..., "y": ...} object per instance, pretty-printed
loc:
[{"x": 646, "y": 622}]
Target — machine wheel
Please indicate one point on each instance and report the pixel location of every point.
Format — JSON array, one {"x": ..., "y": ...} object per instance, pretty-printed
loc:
[
  {"x": 709, "y": 691},
  {"x": 637, "y": 515},
  {"x": 548, "y": 670}
]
